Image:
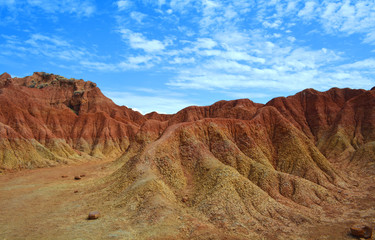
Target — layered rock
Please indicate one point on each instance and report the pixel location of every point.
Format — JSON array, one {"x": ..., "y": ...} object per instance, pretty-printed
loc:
[
  {"x": 46, "y": 119},
  {"x": 237, "y": 168}
]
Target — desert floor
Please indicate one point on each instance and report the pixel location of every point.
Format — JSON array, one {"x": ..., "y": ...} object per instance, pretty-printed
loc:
[{"x": 40, "y": 204}]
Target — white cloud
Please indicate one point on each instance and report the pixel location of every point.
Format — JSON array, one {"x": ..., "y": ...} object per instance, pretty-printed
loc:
[
  {"x": 179, "y": 60},
  {"x": 291, "y": 39},
  {"x": 231, "y": 38},
  {"x": 370, "y": 38},
  {"x": 349, "y": 18},
  {"x": 270, "y": 78},
  {"x": 161, "y": 3},
  {"x": 139, "y": 59},
  {"x": 100, "y": 66},
  {"x": 220, "y": 15},
  {"x": 308, "y": 10},
  {"x": 275, "y": 24},
  {"x": 229, "y": 58},
  {"x": 249, "y": 95},
  {"x": 79, "y": 7},
  {"x": 259, "y": 63},
  {"x": 130, "y": 63},
  {"x": 240, "y": 55},
  {"x": 138, "y": 16},
  {"x": 123, "y": 4},
  {"x": 210, "y": 52},
  {"x": 48, "y": 46},
  {"x": 205, "y": 43},
  {"x": 55, "y": 48},
  {"x": 146, "y": 102},
  {"x": 181, "y": 5},
  {"x": 221, "y": 65},
  {"x": 37, "y": 38},
  {"x": 292, "y": 6},
  {"x": 138, "y": 41},
  {"x": 367, "y": 64}
]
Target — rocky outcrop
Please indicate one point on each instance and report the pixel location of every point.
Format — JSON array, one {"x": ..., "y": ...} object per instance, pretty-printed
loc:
[
  {"x": 46, "y": 119},
  {"x": 361, "y": 231},
  {"x": 242, "y": 168}
]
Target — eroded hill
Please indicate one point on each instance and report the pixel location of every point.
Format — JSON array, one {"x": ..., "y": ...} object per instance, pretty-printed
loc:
[
  {"x": 46, "y": 119},
  {"x": 232, "y": 170}
]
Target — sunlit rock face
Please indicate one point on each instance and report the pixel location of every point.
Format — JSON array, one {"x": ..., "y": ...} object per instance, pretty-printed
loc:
[{"x": 47, "y": 119}]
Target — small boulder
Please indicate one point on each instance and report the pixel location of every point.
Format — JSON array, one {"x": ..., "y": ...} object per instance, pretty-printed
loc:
[
  {"x": 185, "y": 199},
  {"x": 94, "y": 215},
  {"x": 64, "y": 176},
  {"x": 361, "y": 231},
  {"x": 77, "y": 178},
  {"x": 76, "y": 191},
  {"x": 82, "y": 175}
]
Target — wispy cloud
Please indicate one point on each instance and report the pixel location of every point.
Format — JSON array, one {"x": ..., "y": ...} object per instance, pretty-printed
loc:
[
  {"x": 98, "y": 66},
  {"x": 348, "y": 17},
  {"x": 259, "y": 62},
  {"x": 221, "y": 54},
  {"x": 251, "y": 95},
  {"x": 147, "y": 101},
  {"x": 138, "y": 16},
  {"x": 363, "y": 64},
  {"x": 41, "y": 45},
  {"x": 179, "y": 60},
  {"x": 138, "y": 41},
  {"x": 79, "y": 7},
  {"x": 123, "y": 4},
  {"x": 37, "y": 38},
  {"x": 130, "y": 63},
  {"x": 308, "y": 11}
]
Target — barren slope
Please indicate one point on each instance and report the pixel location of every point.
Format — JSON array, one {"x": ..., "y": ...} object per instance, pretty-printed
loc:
[
  {"x": 233, "y": 170},
  {"x": 47, "y": 119}
]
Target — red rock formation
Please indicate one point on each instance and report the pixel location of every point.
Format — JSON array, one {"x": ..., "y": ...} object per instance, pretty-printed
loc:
[
  {"x": 158, "y": 116},
  {"x": 232, "y": 165},
  {"x": 340, "y": 121},
  {"x": 46, "y": 119},
  {"x": 242, "y": 164},
  {"x": 56, "y": 119}
]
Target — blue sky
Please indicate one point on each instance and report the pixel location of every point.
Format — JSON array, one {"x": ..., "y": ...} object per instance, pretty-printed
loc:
[{"x": 163, "y": 55}]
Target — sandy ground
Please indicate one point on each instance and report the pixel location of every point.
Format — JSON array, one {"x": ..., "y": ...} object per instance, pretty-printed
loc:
[{"x": 40, "y": 204}]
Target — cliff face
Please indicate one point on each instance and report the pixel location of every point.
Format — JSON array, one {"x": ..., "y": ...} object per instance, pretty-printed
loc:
[
  {"x": 46, "y": 119},
  {"x": 340, "y": 122}
]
